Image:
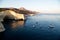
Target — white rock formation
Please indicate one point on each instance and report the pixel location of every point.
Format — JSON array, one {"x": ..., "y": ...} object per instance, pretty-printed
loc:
[{"x": 11, "y": 15}]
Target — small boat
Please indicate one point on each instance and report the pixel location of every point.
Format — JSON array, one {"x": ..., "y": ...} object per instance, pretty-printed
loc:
[
  {"x": 33, "y": 26},
  {"x": 51, "y": 26}
]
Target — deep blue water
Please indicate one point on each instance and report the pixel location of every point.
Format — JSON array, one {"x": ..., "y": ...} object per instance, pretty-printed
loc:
[{"x": 35, "y": 28}]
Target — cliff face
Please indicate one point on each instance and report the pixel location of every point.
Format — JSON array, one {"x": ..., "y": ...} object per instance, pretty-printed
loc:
[{"x": 14, "y": 13}]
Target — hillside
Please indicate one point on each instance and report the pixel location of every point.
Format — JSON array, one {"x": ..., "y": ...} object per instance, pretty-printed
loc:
[{"x": 20, "y": 10}]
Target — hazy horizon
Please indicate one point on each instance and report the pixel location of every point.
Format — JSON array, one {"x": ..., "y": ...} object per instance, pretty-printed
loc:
[{"x": 43, "y": 6}]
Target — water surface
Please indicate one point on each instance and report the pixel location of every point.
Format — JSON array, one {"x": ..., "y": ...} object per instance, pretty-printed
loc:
[{"x": 36, "y": 27}]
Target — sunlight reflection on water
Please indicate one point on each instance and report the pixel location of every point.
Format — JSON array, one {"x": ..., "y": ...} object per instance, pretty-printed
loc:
[{"x": 16, "y": 24}]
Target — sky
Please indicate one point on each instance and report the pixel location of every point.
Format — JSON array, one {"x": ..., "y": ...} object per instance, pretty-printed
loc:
[{"x": 44, "y": 6}]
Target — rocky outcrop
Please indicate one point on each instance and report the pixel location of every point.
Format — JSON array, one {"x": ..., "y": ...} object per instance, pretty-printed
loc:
[{"x": 13, "y": 15}]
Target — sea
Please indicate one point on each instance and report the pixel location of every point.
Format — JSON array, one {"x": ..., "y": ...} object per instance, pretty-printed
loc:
[{"x": 36, "y": 27}]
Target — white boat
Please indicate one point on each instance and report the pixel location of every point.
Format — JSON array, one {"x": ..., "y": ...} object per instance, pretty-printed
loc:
[{"x": 51, "y": 26}]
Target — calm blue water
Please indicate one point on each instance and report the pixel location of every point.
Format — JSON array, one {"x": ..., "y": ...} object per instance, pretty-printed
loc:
[{"x": 36, "y": 28}]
